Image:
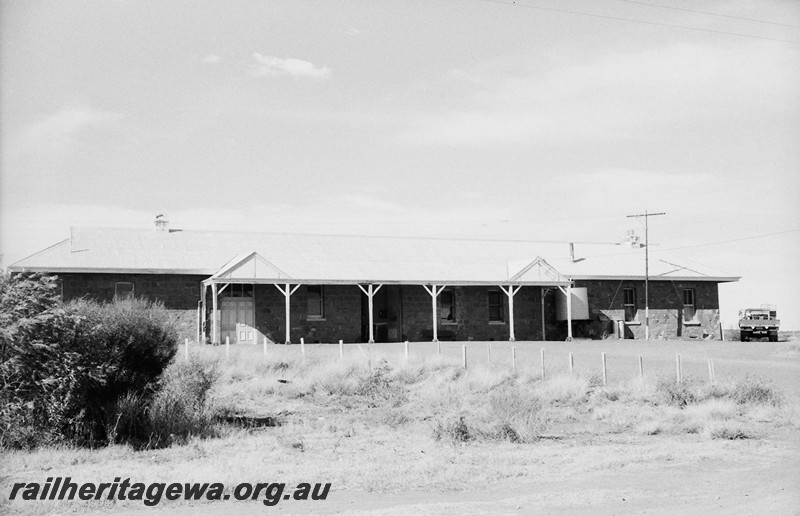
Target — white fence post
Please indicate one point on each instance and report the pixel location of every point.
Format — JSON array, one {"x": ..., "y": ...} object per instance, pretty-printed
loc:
[
  {"x": 341, "y": 349},
  {"x": 514, "y": 359},
  {"x": 605, "y": 378},
  {"x": 227, "y": 347},
  {"x": 571, "y": 363},
  {"x": 542, "y": 363},
  {"x": 464, "y": 355}
]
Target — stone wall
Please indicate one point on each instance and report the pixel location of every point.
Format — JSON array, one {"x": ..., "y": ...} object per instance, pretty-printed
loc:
[
  {"x": 179, "y": 293},
  {"x": 342, "y": 314},
  {"x": 406, "y": 309},
  {"x": 472, "y": 315},
  {"x": 666, "y": 309}
]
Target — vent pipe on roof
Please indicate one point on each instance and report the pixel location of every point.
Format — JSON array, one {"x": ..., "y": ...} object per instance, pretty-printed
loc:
[
  {"x": 162, "y": 224},
  {"x": 572, "y": 254}
]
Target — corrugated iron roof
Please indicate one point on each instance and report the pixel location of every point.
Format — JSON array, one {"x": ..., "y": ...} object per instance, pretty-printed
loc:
[{"x": 353, "y": 258}]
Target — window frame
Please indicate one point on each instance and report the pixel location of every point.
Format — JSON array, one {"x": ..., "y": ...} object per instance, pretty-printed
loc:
[
  {"x": 629, "y": 309},
  {"x": 238, "y": 290},
  {"x": 692, "y": 306},
  {"x": 498, "y": 305},
  {"x": 315, "y": 316},
  {"x": 451, "y": 294}
]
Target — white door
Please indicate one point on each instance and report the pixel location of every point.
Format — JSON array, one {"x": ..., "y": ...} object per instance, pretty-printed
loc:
[{"x": 237, "y": 320}]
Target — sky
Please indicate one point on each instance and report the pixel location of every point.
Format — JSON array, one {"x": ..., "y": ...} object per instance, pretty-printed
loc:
[{"x": 535, "y": 119}]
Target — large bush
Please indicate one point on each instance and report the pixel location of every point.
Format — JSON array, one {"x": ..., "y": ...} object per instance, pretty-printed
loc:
[{"x": 65, "y": 366}]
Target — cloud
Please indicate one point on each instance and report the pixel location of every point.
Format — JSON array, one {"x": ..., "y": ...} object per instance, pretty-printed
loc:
[
  {"x": 268, "y": 66},
  {"x": 212, "y": 59},
  {"x": 624, "y": 96},
  {"x": 60, "y": 131}
]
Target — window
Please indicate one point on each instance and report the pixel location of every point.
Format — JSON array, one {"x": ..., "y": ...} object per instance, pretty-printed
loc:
[
  {"x": 629, "y": 303},
  {"x": 688, "y": 304},
  {"x": 237, "y": 290},
  {"x": 496, "y": 306},
  {"x": 447, "y": 306},
  {"x": 316, "y": 304},
  {"x": 123, "y": 290}
]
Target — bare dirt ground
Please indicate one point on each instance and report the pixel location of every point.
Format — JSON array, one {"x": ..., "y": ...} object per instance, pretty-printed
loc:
[
  {"x": 739, "y": 478},
  {"x": 583, "y": 467}
]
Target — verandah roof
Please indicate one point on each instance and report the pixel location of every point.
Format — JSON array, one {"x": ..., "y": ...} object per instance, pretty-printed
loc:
[{"x": 254, "y": 268}]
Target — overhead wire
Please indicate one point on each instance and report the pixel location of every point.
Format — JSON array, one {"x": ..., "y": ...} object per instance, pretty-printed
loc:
[
  {"x": 709, "y": 13},
  {"x": 513, "y": 3}
]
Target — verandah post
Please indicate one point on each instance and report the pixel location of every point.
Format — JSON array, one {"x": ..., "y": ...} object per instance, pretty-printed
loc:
[
  {"x": 287, "y": 295},
  {"x": 214, "y": 323}
]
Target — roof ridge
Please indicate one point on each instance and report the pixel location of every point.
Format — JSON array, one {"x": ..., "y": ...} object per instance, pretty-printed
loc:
[{"x": 351, "y": 235}]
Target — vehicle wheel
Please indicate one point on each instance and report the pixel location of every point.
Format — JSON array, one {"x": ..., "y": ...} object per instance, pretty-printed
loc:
[
  {"x": 744, "y": 336},
  {"x": 773, "y": 336}
]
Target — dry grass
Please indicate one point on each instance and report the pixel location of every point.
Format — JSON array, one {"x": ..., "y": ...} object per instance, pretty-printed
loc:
[{"x": 386, "y": 424}]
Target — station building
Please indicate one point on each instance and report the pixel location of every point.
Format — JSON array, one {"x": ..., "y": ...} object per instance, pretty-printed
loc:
[{"x": 246, "y": 287}]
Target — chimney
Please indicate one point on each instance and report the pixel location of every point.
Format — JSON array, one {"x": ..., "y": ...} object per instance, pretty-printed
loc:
[
  {"x": 572, "y": 251},
  {"x": 162, "y": 224}
]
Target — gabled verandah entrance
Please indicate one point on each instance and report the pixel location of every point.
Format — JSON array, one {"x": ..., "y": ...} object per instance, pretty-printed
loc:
[{"x": 254, "y": 269}]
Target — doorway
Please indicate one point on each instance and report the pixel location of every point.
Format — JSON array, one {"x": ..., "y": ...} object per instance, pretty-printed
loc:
[
  {"x": 237, "y": 314},
  {"x": 387, "y": 315}
]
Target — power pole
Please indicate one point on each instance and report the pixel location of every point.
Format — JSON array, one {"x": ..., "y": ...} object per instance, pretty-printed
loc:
[{"x": 646, "y": 215}]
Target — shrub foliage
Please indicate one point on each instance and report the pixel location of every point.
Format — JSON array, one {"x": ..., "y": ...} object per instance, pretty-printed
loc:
[{"x": 64, "y": 367}]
